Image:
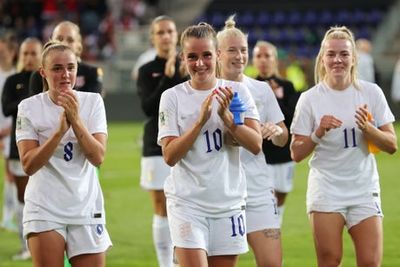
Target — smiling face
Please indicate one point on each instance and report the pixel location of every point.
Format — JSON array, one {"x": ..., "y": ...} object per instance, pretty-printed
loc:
[
  {"x": 199, "y": 57},
  {"x": 59, "y": 69},
  {"x": 338, "y": 59},
  {"x": 233, "y": 57}
]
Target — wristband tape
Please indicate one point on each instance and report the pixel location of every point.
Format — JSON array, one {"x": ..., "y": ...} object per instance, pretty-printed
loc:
[{"x": 315, "y": 138}]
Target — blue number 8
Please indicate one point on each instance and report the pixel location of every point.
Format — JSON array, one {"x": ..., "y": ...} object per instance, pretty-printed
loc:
[{"x": 68, "y": 151}]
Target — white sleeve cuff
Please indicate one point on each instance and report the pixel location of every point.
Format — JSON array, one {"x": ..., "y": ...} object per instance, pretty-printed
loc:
[{"x": 315, "y": 138}]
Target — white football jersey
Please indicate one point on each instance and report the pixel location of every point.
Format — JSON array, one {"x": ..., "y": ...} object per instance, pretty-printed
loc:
[
  {"x": 342, "y": 171},
  {"x": 209, "y": 180},
  {"x": 259, "y": 179},
  {"x": 66, "y": 189}
]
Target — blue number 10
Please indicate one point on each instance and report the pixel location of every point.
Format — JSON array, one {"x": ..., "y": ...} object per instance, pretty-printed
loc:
[
  {"x": 240, "y": 224},
  {"x": 217, "y": 138}
]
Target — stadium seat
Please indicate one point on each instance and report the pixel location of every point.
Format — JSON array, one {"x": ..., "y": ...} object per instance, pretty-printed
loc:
[
  {"x": 374, "y": 16},
  {"x": 246, "y": 19},
  {"x": 217, "y": 19},
  {"x": 344, "y": 17},
  {"x": 263, "y": 19},
  {"x": 310, "y": 18},
  {"x": 278, "y": 18},
  {"x": 294, "y": 18},
  {"x": 358, "y": 16},
  {"x": 326, "y": 18}
]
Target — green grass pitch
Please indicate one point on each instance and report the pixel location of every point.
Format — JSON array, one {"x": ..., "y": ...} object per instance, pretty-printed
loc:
[{"x": 129, "y": 213}]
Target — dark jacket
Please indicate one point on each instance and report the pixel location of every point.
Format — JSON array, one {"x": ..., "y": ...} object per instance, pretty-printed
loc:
[{"x": 151, "y": 83}]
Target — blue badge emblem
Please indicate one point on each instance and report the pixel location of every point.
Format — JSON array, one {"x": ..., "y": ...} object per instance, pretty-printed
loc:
[{"x": 99, "y": 229}]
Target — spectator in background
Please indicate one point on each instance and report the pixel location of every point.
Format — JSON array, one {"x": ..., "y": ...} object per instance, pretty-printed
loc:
[
  {"x": 153, "y": 79},
  {"x": 366, "y": 69},
  {"x": 8, "y": 55},
  {"x": 262, "y": 218},
  {"x": 265, "y": 59},
  {"x": 333, "y": 121},
  {"x": 16, "y": 88},
  {"x": 89, "y": 78}
]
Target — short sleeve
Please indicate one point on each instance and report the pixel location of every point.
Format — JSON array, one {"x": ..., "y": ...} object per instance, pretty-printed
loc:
[
  {"x": 24, "y": 127},
  {"x": 167, "y": 116},
  {"x": 273, "y": 110},
  {"x": 251, "y": 108},
  {"x": 98, "y": 122},
  {"x": 381, "y": 111},
  {"x": 303, "y": 123}
]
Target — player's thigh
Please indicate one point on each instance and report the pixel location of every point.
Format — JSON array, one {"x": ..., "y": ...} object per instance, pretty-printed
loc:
[
  {"x": 85, "y": 260},
  {"x": 47, "y": 248},
  {"x": 266, "y": 246},
  {"x": 368, "y": 241},
  {"x": 327, "y": 232},
  {"x": 188, "y": 257},
  {"x": 223, "y": 261},
  {"x": 159, "y": 202}
]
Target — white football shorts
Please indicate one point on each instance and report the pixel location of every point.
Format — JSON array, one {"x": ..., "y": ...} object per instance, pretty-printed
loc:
[
  {"x": 217, "y": 236},
  {"x": 80, "y": 239},
  {"x": 154, "y": 171}
]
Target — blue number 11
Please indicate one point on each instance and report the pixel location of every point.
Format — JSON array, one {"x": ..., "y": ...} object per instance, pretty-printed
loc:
[{"x": 353, "y": 134}]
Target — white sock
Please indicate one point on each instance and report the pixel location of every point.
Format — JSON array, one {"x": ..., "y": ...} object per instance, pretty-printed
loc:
[
  {"x": 162, "y": 241},
  {"x": 281, "y": 209},
  {"x": 19, "y": 214},
  {"x": 9, "y": 202}
]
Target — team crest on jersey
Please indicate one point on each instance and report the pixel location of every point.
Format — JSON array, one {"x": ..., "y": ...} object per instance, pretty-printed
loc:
[
  {"x": 19, "y": 123},
  {"x": 162, "y": 118},
  {"x": 99, "y": 229}
]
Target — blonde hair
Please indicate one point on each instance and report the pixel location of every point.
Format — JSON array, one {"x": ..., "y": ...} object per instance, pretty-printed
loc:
[
  {"x": 230, "y": 30},
  {"x": 49, "y": 47},
  {"x": 336, "y": 33},
  {"x": 274, "y": 51},
  {"x": 76, "y": 29}
]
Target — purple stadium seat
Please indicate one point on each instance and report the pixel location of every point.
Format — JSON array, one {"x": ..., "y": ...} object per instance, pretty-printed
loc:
[
  {"x": 263, "y": 19},
  {"x": 310, "y": 18},
  {"x": 294, "y": 18},
  {"x": 278, "y": 18},
  {"x": 326, "y": 18},
  {"x": 246, "y": 19},
  {"x": 217, "y": 19}
]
